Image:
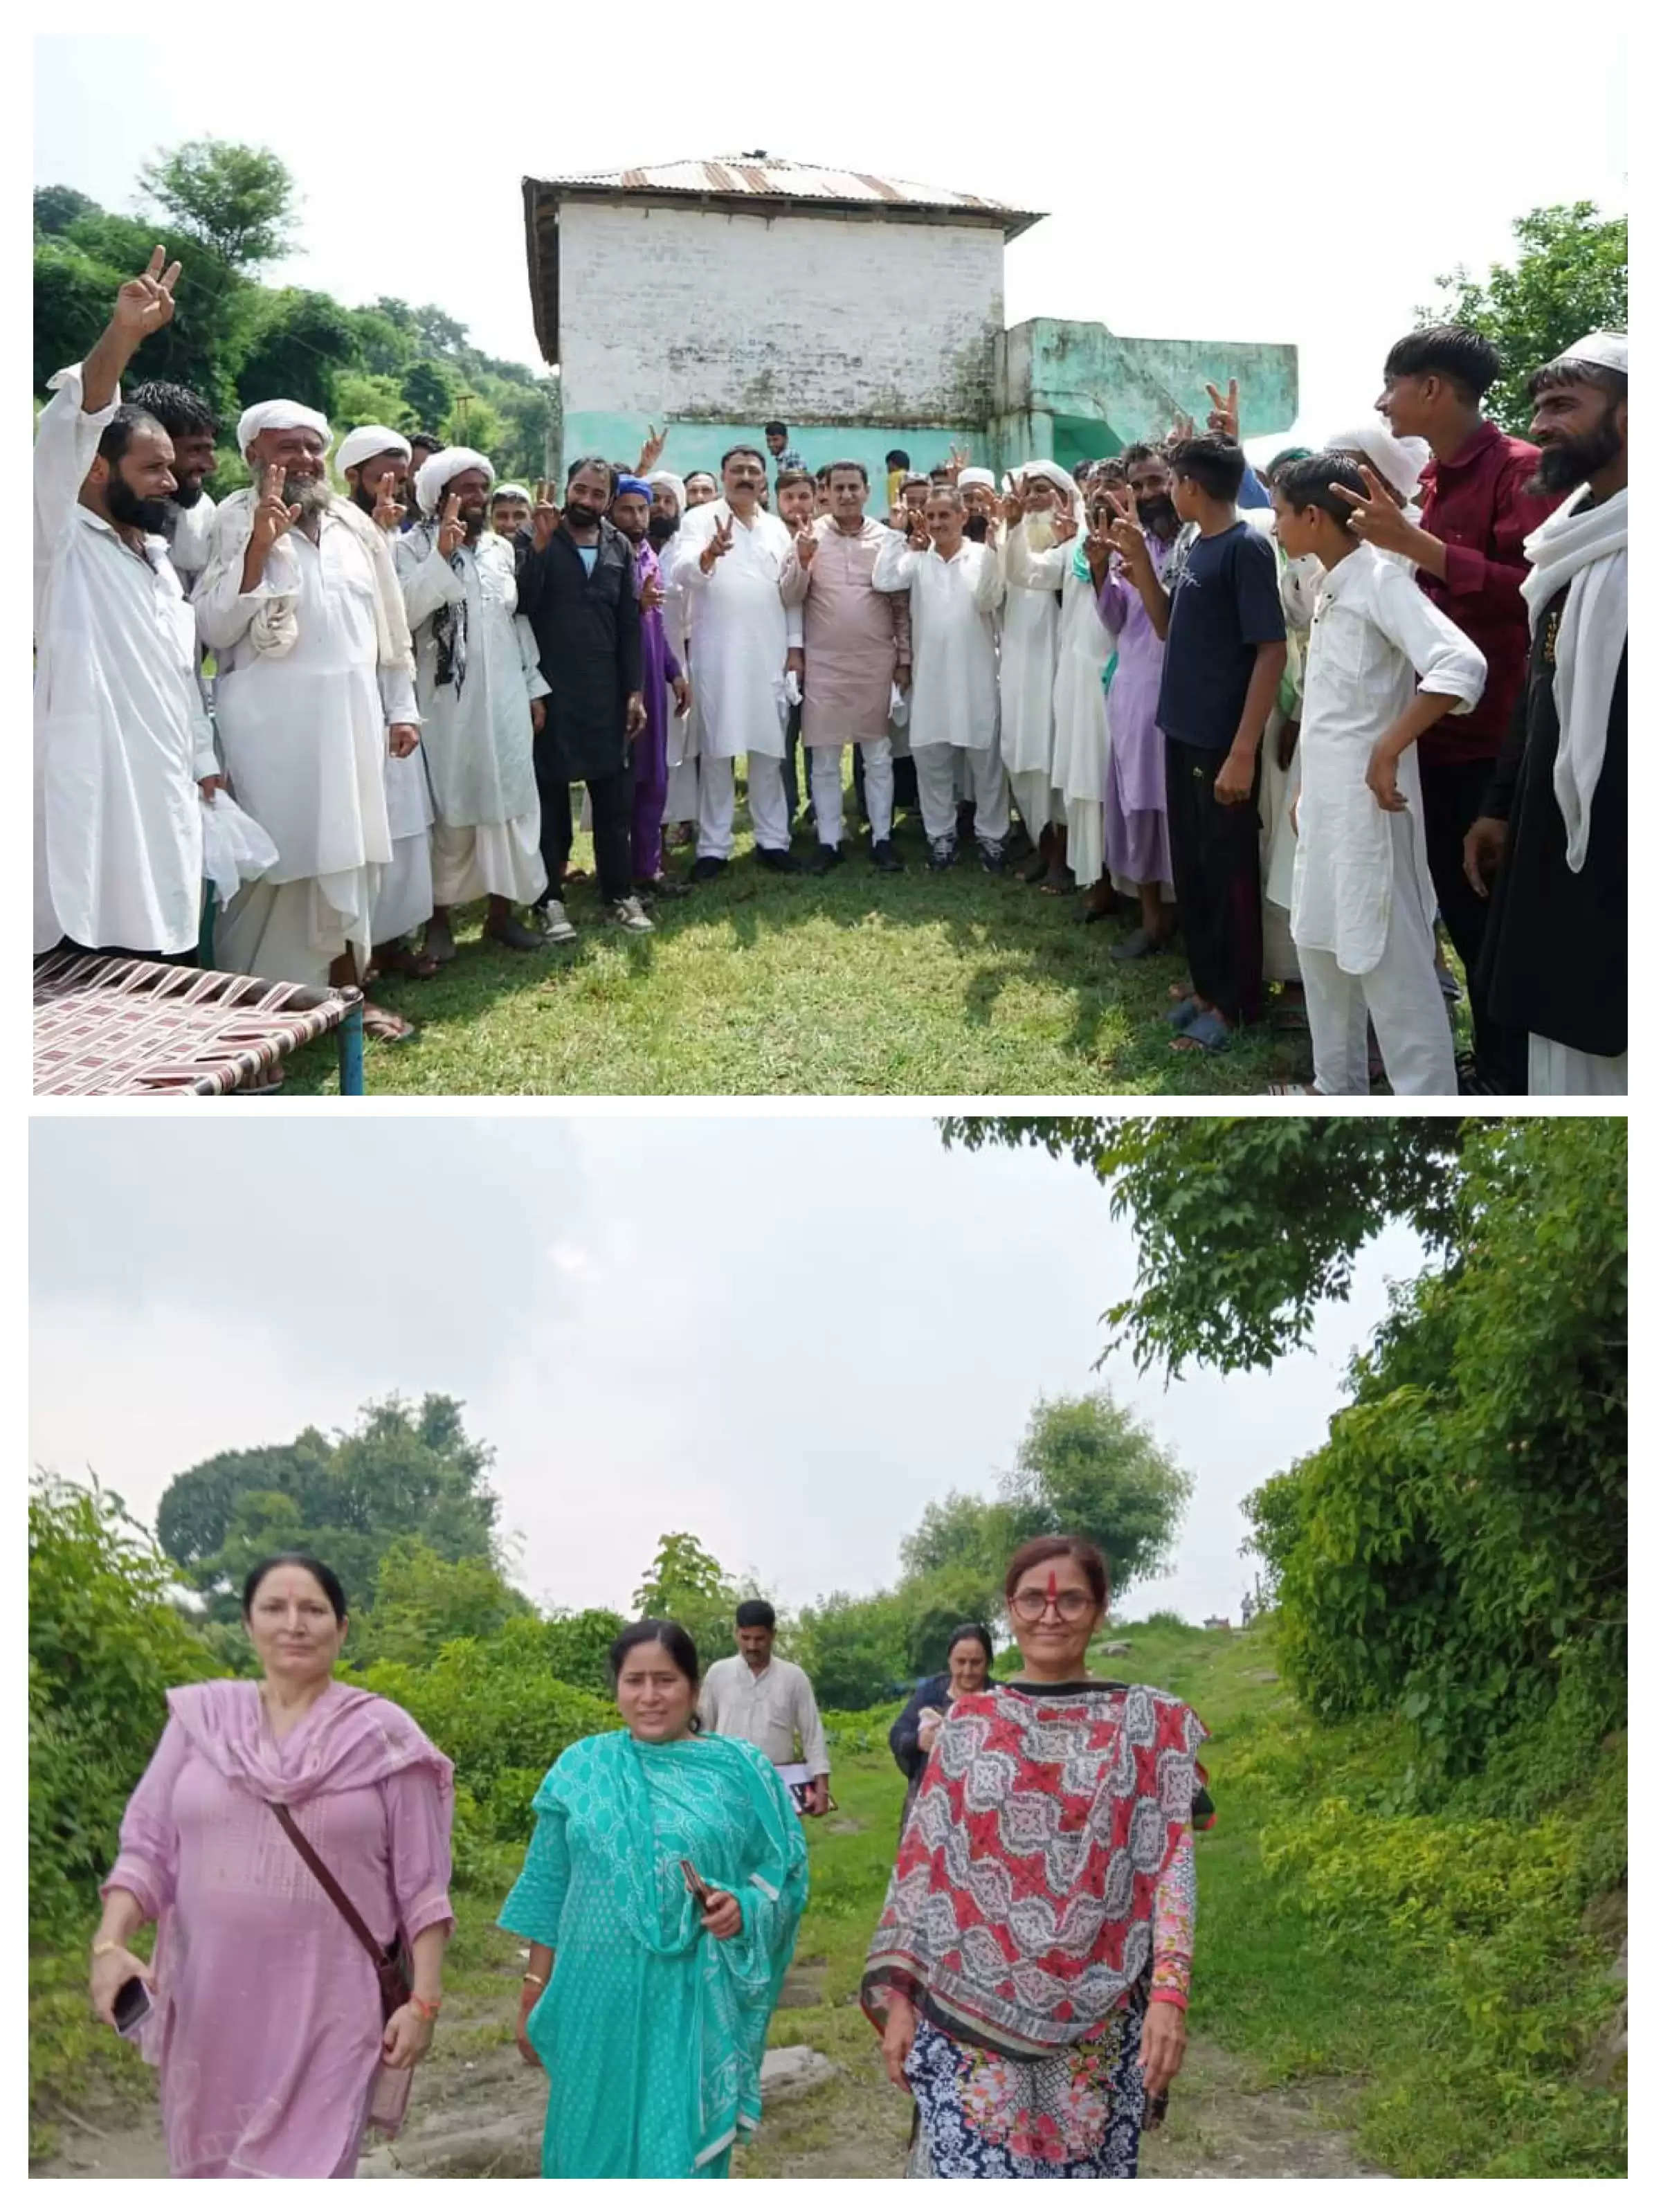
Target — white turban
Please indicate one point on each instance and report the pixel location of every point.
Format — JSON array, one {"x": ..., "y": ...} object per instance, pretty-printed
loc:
[
  {"x": 967, "y": 478},
  {"x": 1400, "y": 461},
  {"x": 360, "y": 446},
  {"x": 278, "y": 415},
  {"x": 674, "y": 483},
  {"x": 437, "y": 470},
  {"x": 1052, "y": 472},
  {"x": 1598, "y": 350}
]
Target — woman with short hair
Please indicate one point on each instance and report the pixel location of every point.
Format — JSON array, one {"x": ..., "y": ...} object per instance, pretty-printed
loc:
[
  {"x": 267, "y": 2013},
  {"x": 968, "y": 1663},
  {"x": 1030, "y": 1972},
  {"x": 659, "y": 1897}
]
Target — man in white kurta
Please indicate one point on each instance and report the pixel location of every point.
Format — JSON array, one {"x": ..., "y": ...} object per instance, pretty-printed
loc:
[
  {"x": 479, "y": 688},
  {"x": 956, "y": 588},
  {"x": 122, "y": 743},
  {"x": 301, "y": 607},
  {"x": 680, "y": 803},
  {"x": 1384, "y": 663},
  {"x": 1036, "y": 558},
  {"x": 730, "y": 559}
]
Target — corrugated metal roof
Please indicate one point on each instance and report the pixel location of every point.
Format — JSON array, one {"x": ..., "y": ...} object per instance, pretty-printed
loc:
[{"x": 764, "y": 176}]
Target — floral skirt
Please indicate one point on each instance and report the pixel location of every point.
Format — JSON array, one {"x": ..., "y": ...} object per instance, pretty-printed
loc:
[{"x": 1074, "y": 2116}]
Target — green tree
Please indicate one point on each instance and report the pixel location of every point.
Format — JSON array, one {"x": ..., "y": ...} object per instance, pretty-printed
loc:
[
  {"x": 1088, "y": 1466},
  {"x": 686, "y": 1583},
  {"x": 958, "y": 1532},
  {"x": 429, "y": 391},
  {"x": 1570, "y": 278},
  {"x": 1244, "y": 1226},
  {"x": 359, "y": 398},
  {"x": 423, "y": 1601},
  {"x": 56, "y": 206},
  {"x": 106, "y": 1643},
  {"x": 855, "y": 1650},
  {"x": 237, "y": 201},
  {"x": 301, "y": 342}
]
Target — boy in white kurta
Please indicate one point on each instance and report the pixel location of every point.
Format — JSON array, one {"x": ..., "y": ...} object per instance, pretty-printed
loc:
[
  {"x": 1363, "y": 909},
  {"x": 730, "y": 559},
  {"x": 1035, "y": 560},
  {"x": 956, "y": 588}
]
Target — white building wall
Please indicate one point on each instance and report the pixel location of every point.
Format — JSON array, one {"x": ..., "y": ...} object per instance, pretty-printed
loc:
[{"x": 688, "y": 312}]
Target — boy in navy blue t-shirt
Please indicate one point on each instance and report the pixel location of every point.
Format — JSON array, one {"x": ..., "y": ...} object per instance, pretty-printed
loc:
[{"x": 1224, "y": 650}]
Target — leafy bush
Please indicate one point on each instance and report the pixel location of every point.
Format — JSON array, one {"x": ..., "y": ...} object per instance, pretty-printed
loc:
[{"x": 105, "y": 1644}]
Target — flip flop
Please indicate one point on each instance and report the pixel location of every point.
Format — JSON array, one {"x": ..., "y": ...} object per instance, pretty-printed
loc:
[
  {"x": 1139, "y": 945},
  {"x": 1207, "y": 1031},
  {"x": 1181, "y": 1016}
]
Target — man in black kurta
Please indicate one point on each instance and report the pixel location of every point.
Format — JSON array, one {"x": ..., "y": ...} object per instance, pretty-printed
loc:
[
  {"x": 1554, "y": 956},
  {"x": 576, "y": 587}
]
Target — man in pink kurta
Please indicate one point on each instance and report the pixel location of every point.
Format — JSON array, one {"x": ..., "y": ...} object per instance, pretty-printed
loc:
[
  {"x": 267, "y": 2021},
  {"x": 858, "y": 645}
]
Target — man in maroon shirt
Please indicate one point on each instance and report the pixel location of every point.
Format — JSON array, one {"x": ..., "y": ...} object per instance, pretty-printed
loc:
[{"x": 1467, "y": 550}]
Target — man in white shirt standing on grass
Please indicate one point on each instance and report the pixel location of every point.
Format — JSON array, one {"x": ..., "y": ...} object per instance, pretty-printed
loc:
[
  {"x": 767, "y": 1701},
  {"x": 122, "y": 740}
]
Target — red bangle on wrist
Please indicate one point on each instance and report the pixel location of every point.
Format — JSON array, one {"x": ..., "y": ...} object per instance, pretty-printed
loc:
[{"x": 427, "y": 2011}]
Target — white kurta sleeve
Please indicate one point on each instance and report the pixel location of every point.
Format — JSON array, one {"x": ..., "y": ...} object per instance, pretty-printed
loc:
[
  {"x": 1447, "y": 663},
  {"x": 428, "y": 580},
  {"x": 223, "y": 609},
  {"x": 537, "y": 685},
  {"x": 689, "y": 542},
  {"x": 65, "y": 445},
  {"x": 792, "y": 583},
  {"x": 895, "y": 565},
  {"x": 397, "y": 694},
  {"x": 1035, "y": 572},
  {"x": 792, "y": 630},
  {"x": 989, "y": 582}
]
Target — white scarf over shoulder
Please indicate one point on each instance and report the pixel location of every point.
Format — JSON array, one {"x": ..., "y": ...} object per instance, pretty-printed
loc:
[
  {"x": 276, "y": 627},
  {"x": 1585, "y": 548}
]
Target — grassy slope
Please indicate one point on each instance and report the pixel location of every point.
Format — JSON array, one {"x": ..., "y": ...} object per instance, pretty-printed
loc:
[
  {"x": 1385, "y": 2007},
  {"x": 948, "y": 985}
]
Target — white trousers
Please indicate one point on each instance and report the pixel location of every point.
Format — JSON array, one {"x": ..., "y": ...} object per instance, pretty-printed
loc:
[
  {"x": 1558, "y": 1070},
  {"x": 681, "y": 801},
  {"x": 825, "y": 779},
  {"x": 938, "y": 769},
  {"x": 294, "y": 932},
  {"x": 404, "y": 899},
  {"x": 1409, "y": 1014},
  {"x": 768, "y": 816},
  {"x": 1037, "y": 801},
  {"x": 489, "y": 859}
]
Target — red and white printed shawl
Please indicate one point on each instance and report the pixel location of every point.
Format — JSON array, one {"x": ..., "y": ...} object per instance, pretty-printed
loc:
[{"x": 1020, "y": 1910}]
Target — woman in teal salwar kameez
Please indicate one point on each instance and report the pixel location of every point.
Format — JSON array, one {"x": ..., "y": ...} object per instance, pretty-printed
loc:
[{"x": 646, "y": 2007}]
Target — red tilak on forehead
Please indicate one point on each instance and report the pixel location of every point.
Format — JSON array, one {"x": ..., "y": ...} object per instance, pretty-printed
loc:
[{"x": 1051, "y": 1592}]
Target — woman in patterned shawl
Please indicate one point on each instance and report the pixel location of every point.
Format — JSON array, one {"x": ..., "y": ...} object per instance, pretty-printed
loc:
[
  {"x": 646, "y": 2005},
  {"x": 1030, "y": 1973}
]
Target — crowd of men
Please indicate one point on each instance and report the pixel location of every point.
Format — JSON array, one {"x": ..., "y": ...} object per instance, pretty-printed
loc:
[{"x": 1291, "y": 717}]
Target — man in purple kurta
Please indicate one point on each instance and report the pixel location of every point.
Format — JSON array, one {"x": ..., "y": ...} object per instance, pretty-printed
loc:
[
  {"x": 1136, "y": 841},
  {"x": 661, "y": 673}
]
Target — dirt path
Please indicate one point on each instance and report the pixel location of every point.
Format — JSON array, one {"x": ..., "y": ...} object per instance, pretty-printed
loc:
[{"x": 476, "y": 2113}]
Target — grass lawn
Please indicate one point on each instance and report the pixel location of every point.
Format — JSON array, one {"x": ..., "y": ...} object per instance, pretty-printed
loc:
[{"x": 958, "y": 984}]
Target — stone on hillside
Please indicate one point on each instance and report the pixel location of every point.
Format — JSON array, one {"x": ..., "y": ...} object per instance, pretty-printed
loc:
[
  {"x": 1114, "y": 1650},
  {"x": 792, "y": 2071}
]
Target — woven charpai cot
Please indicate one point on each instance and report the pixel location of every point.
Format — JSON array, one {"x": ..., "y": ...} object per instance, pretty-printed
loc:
[{"x": 106, "y": 1023}]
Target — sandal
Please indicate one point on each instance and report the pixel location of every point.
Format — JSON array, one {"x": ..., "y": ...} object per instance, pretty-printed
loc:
[
  {"x": 385, "y": 1027},
  {"x": 1208, "y": 1032},
  {"x": 1189, "y": 1011},
  {"x": 1140, "y": 944},
  {"x": 399, "y": 960}
]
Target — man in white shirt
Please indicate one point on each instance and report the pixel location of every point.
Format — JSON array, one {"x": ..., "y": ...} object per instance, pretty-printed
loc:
[
  {"x": 956, "y": 586},
  {"x": 122, "y": 741},
  {"x": 302, "y": 605},
  {"x": 730, "y": 559},
  {"x": 1036, "y": 562},
  {"x": 767, "y": 1701},
  {"x": 192, "y": 426}
]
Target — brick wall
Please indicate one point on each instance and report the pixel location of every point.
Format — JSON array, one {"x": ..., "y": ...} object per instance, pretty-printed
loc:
[{"x": 682, "y": 313}]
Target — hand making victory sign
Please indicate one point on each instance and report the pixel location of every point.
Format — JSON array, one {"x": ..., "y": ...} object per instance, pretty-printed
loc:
[
  {"x": 721, "y": 542},
  {"x": 452, "y": 530},
  {"x": 806, "y": 546},
  {"x": 145, "y": 303},
  {"x": 272, "y": 516},
  {"x": 651, "y": 453},
  {"x": 1067, "y": 521},
  {"x": 389, "y": 508},
  {"x": 1126, "y": 534},
  {"x": 1014, "y": 501},
  {"x": 545, "y": 515},
  {"x": 1378, "y": 519},
  {"x": 1225, "y": 416}
]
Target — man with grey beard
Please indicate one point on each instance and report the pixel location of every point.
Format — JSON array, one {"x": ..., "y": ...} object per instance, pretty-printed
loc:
[{"x": 300, "y": 605}]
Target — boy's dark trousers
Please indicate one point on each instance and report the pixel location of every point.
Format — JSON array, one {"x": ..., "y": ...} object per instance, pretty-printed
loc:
[{"x": 1215, "y": 864}]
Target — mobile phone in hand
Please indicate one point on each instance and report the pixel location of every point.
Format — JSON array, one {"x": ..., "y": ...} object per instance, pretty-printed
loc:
[
  {"x": 132, "y": 2007},
  {"x": 697, "y": 1885}
]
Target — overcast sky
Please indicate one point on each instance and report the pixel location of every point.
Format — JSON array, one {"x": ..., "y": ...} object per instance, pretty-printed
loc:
[
  {"x": 786, "y": 1336},
  {"x": 1262, "y": 176}
]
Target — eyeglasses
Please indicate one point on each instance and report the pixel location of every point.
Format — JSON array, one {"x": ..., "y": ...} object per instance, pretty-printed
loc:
[{"x": 1030, "y": 1606}]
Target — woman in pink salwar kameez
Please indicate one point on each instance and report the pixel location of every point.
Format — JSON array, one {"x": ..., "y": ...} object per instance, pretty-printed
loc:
[{"x": 266, "y": 2022}]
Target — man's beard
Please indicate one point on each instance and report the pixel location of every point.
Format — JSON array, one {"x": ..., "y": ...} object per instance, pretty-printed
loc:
[
  {"x": 131, "y": 513},
  {"x": 185, "y": 495},
  {"x": 310, "y": 495},
  {"x": 660, "y": 530},
  {"x": 1158, "y": 513},
  {"x": 361, "y": 496},
  {"x": 975, "y": 529},
  {"x": 1568, "y": 462},
  {"x": 1040, "y": 530},
  {"x": 636, "y": 537},
  {"x": 582, "y": 518}
]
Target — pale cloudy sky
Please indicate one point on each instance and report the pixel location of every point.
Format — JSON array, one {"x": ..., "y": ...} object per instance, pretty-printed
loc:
[
  {"x": 1259, "y": 174},
  {"x": 785, "y": 1334}
]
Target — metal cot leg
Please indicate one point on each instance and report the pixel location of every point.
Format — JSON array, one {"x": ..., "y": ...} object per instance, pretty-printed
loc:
[{"x": 351, "y": 1052}]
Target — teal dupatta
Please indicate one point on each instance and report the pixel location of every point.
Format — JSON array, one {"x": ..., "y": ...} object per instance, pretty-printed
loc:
[{"x": 651, "y": 2030}]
